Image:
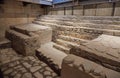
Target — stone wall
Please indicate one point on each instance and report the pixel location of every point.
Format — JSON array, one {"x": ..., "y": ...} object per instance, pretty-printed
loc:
[
  {"x": 104, "y": 9},
  {"x": 13, "y": 12}
]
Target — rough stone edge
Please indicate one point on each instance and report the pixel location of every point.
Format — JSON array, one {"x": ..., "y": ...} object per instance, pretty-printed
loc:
[
  {"x": 49, "y": 62},
  {"x": 98, "y": 59}
]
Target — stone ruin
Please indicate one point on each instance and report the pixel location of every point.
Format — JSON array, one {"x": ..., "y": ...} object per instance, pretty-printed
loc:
[{"x": 55, "y": 46}]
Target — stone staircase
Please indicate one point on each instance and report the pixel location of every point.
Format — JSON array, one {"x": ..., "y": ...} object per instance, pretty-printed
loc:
[
  {"x": 64, "y": 56},
  {"x": 70, "y": 30}
]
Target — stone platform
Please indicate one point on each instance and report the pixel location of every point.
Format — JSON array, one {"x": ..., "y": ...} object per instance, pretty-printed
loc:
[
  {"x": 26, "y": 38},
  {"x": 44, "y": 32},
  {"x": 51, "y": 56},
  {"x": 104, "y": 50}
]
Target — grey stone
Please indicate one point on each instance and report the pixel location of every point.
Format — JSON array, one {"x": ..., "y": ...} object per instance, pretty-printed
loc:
[
  {"x": 48, "y": 68},
  {"x": 38, "y": 75},
  {"x": 68, "y": 60},
  {"x": 54, "y": 74},
  {"x": 88, "y": 66},
  {"x": 27, "y": 75},
  {"x": 13, "y": 73},
  {"x": 27, "y": 65},
  {"x": 8, "y": 71},
  {"x": 49, "y": 77},
  {"x": 17, "y": 67},
  {"x": 41, "y": 70},
  {"x": 47, "y": 73},
  {"x": 33, "y": 69},
  {"x": 43, "y": 64},
  {"x": 17, "y": 76},
  {"x": 23, "y": 70},
  {"x": 98, "y": 70}
]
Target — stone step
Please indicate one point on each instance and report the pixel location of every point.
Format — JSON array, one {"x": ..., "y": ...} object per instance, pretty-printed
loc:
[
  {"x": 46, "y": 23},
  {"x": 51, "y": 56},
  {"x": 62, "y": 48},
  {"x": 82, "y": 24},
  {"x": 66, "y": 44},
  {"x": 69, "y": 22},
  {"x": 5, "y": 43},
  {"x": 77, "y": 67},
  {"x": 83, "y": 30},
  {"x": 59, "y": 22},
  {"x": 85, "y": 36},
  {"x": 103, "y": 50},
  {"x": 44, "y": 32},
  {"x": 72, "y": 39},
  {"x": 73, "y": 17}
]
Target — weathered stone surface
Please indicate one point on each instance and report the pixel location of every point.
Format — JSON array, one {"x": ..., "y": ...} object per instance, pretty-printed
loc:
[
  {"x": 27, "y": 65},
  {"x": 23, "y": 44},
  {"x": 44, "y": 32},
  {"x": 7, "y": 55},
  {"x": 5, "y": 44},
  {"x": 47, "y": 73},
  {"x": 17, "y": 76},
  {"x": 103, "y": 50},
  {"x": 33, "y": 69},
  {"x": 38, "y": 75},
  {"x": 88, "y": 69},
  {"x": 24, "y": 68},
  {"x": 8, "y": 71},
  {"x": 27, "y": 75}
]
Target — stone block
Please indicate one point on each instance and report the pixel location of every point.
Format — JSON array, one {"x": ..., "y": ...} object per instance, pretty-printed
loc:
[
  {"x": 44, "y": 32},
  {"x": 77, "y": 67},
  {"x": 23, "y": 44},
  {"x": 103, "y": 50}
]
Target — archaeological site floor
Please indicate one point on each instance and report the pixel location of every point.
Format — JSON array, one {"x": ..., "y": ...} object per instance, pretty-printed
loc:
[{"x": 56, "y": 46}]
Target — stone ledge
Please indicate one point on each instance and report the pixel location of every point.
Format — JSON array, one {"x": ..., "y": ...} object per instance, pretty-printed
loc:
[
  {"x": 100, "y": 51},
  {"x": 44, "y": 32},
  {"x": 49, "y": 62},
  {"x": 77, "y": 67}
]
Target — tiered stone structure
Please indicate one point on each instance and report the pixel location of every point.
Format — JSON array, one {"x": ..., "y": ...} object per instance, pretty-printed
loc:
[
  {"x": 75, "y": 35},
  {"x": 103, "y": 50},
  {"x": 71, "y": 30},
  {"x": 71, "y": 47}
]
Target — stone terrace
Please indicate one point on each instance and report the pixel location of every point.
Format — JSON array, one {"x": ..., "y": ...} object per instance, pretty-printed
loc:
[
  {"x": 47, "y": 48},
  {"x": 71, "y": 31}
]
